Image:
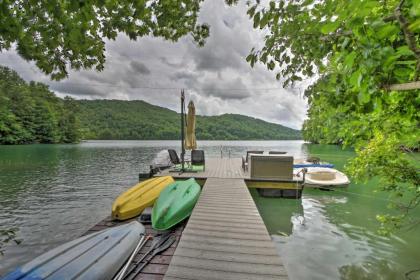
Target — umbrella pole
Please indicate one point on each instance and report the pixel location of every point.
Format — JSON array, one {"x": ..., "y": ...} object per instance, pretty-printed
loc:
[{"x": 182, "y": 131}]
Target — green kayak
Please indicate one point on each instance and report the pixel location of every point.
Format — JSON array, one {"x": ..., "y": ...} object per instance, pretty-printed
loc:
[{"x": 175, "y": 203}]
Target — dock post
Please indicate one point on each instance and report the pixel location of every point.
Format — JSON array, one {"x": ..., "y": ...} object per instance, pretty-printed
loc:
[{"x": 182, "y": 131}]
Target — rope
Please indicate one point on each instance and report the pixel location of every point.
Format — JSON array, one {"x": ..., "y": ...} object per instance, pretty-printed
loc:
[
  {"x": 407, "y": 274},
  {"x": 362, "y": 195}
]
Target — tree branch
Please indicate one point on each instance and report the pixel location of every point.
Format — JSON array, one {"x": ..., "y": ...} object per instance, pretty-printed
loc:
[
  {"x": 390, "y": 18},
  {"x": 406, "y": 86},
  {"x": 336, "y": 34},
  {"x": 410, "y": 39}
]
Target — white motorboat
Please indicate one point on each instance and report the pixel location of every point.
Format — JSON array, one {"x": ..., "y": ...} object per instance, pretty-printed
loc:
[{"x": 321, "y": 177}]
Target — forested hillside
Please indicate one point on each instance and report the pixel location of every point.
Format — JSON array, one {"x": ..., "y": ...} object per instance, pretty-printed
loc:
[
  {"x": 116, "y": 119},
  {"x": 30, "y": 113}
]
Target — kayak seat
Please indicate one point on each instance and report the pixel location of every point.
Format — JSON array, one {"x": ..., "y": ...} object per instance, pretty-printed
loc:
[{"x": 197, "y": 158}]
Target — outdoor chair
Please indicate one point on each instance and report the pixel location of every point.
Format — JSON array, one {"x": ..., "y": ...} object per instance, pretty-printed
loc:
[
  {"x": 174, "y": 157},
  {"x": 197, "y": 158},
  {"x": 245, "y": 159}
]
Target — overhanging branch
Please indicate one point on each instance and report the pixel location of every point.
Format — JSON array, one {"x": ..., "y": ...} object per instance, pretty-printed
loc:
[
  {"x": 410, "y": 39},
  {"x": 405, "y": 86}
]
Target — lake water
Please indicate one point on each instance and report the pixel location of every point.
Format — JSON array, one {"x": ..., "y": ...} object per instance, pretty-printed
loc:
[{"x": 54, "y": 193}]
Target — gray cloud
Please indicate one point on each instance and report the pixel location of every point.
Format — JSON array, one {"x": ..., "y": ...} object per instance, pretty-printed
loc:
[
  {"x": 184, "y": 75},
  {"x": 81, "y": 90},
  {"x": 139, "y": 67},
  {"x": 169, "y": 63},
  {"x": 234, "y": 89},
  {"x": 215, "y": 76}
]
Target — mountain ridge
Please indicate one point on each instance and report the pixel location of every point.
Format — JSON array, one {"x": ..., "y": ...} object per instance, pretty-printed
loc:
[{"x": 138, "y": 120}]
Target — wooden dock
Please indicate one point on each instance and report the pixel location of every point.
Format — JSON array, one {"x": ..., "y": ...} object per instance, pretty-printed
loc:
[
  {"x": 229, "y": 168},
  {"x": 225, "y": 238},
  {"x": 215, "y": 168}
]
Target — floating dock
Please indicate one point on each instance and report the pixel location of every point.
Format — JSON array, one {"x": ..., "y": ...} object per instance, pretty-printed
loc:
[
  {"x": 231, "y": 168},
  {"x": 225, "y": 237}
]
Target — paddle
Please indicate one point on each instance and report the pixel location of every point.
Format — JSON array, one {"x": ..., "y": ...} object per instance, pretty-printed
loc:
[
  {"x": 168, "y": 241},
  {"x": 143, "y": 240},
  {"x": 157, "y": 241}
]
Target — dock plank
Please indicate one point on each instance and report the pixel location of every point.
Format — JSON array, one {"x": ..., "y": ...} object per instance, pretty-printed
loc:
[
  {"x": 190, "y": 273},
  {"x": 217, "y": 244}
]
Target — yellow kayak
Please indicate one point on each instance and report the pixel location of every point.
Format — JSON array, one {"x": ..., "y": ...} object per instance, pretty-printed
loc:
[{"x": 133, "y": 201}]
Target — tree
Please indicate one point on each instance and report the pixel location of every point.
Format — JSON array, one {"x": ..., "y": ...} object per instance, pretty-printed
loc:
[
  {"x": 61, "y": 34},
  {"x": 69, "y": 123},
  {"x": 30, "y": 113},
  {"x": 357, "y": 49}
]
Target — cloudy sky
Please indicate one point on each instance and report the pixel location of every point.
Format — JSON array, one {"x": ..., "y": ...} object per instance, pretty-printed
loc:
[{"x": 216, "y": 76}]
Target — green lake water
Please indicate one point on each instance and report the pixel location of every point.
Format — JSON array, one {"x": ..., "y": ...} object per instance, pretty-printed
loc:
[{"x": 54, "y": 193}]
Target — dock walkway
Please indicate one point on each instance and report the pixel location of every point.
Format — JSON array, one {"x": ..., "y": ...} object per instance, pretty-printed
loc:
[{"x": 225, "y": 237}]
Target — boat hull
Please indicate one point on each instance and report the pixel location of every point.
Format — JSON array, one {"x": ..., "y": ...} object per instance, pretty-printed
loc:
[
  {"x": 95, "y": 256},
  {"x": 340, "y": 179},
  {"x": 175, "y": 204},
  {"x": 132, "y": 202}
]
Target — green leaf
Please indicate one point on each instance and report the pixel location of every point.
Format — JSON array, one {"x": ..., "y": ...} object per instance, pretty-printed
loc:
[
  {"x": 251, "y": 11},
  {"x": 415, "y": 9},
  {"x": 249, "y": 57},
  {"x": 264, "y": 20},
  {"x": 386, "y": 31},
  {"x": 257, "y": 20},
  {"x": 330, "y": 27},
  {"x": 402, "y": 73},
  {"x": 363, "y": 97},
  {"x": 349, "y": 60},
  {"x": 356, "y": 79},
  {"x": 404, "y": 50},
  {"x": 415, "y": 26},
  {"x": 406, "y": 62},
  {"x": 378, "y": 104}
]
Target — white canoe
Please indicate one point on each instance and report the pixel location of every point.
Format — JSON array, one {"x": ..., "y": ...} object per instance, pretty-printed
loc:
[
  {"x": 99, "y": 255},
  {"x": 319, "y": 177}
]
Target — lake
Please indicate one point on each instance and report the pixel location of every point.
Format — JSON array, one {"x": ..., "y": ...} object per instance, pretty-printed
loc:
[{"x": 54, "y": 193}]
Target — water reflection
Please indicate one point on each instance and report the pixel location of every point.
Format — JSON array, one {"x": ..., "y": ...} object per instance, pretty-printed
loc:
[
  {"x": 380, "y": 269},
  {"x": 53, "y": 193},
  {"x": 279, "y": 218},
  {"x": 303, "y": 246},
  {"x": 336, "y": 237}
]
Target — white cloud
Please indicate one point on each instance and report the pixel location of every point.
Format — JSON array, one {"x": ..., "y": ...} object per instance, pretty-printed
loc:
[{"x": 216, "y": 76}]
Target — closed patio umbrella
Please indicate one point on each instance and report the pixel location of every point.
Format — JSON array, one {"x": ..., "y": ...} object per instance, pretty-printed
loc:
[{"x": 190, "y": 142}]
